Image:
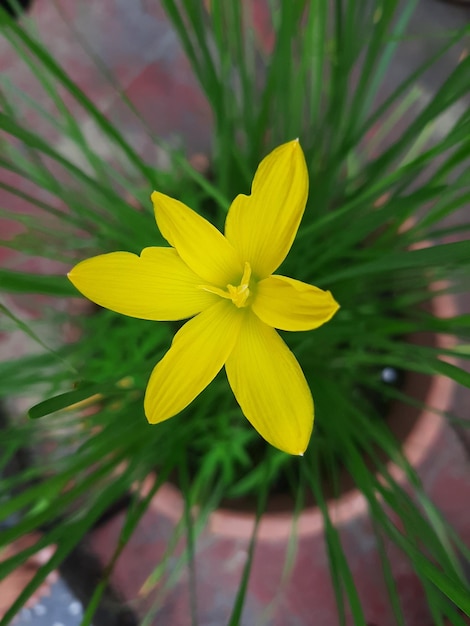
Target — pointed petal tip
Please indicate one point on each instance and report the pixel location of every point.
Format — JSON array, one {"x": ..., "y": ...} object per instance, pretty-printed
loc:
[
  {"x": 199, "y": 243},
  {"x": 263, "y": 225},
  {"x": 298, "y": 451},
  {"x": 197, "y": 354},
  {"x": 154, "y": 197},
  {"x": 158, "y": 200},
  {"x": 157, "y": 285},
  {"x": 289, "y": 304},
  {"x": 294, "y": 144},
  {"x": 335, "y": 305},
  {"x": 151, "y": 418},
  {"x": 302, "y": 448}
]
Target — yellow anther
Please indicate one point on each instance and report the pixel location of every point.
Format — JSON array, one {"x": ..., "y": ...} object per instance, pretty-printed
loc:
[{"x": 237, "y": 294}]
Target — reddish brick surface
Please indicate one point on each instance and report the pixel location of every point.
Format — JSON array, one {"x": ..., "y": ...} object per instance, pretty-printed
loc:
[
  {"x": 306, "y": 595},
  {"x": 137, "y": 48}
]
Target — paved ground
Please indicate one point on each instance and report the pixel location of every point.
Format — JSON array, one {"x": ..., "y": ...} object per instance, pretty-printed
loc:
[{"x": 60, "y": 608}]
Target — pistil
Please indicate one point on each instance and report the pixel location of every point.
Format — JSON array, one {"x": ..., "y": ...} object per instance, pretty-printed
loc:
[{"x": 238, "y": 294}]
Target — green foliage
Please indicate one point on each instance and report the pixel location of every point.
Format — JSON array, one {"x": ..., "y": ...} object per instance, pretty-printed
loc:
[{"x": 382, "y": 226}]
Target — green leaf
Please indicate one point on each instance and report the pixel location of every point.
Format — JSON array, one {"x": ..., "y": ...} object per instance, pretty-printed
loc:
[
  {"x": 451, "y": 371},
  {"x": 449, "y": 254},
  {"x": 25, "y": 282},
  {"x": 64, "y": 400},
  {"x": 66, "y": 536}
]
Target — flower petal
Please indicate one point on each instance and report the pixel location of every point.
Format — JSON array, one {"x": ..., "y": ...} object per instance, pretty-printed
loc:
[
  {"x": 198, "y": 352},
  {"x": 205, "y": 250},
  {"x": 290, "y": 304},
  {"x": 270, "y": 387},
  {"x": 262, "y": 227},
  {"x": 157, "y": 285}
]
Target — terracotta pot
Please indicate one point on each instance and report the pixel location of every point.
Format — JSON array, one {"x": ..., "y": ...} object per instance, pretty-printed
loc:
[
  {"x": 417, "y": 430},
  {"x": 222, "y": 547}
]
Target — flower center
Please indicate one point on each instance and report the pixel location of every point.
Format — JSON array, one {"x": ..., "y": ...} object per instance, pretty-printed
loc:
[{"x": 238, "y": 294}]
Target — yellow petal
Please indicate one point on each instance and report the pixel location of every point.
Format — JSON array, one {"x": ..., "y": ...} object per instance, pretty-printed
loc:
[
  {"x": 158, "y": 285},
  {"x": 263, "y": 226},
  {"x": 198, "y": 352},
  {"x": 270, "y": 386},
  {"x": 290, "y": 304},
  {"x": 201, "y": 246}
]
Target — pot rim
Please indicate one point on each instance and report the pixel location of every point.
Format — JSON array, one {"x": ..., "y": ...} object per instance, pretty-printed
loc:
[{"x": 280, "y": 525}]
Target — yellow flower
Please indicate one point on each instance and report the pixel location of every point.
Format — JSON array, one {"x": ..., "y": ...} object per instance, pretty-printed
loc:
[{"x": 226, "y": 285}]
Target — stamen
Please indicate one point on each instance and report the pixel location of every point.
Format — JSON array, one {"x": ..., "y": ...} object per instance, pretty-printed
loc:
[
  {"x": 246, "y": 274},
  {"x": 216, "y": 290},
  {"x": 237, "y": 294}
]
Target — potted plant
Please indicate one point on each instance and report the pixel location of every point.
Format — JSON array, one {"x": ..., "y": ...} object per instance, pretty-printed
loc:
[{"x": 379, "y": 232}]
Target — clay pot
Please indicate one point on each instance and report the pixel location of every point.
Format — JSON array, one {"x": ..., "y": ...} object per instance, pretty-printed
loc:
[
  {"x": 417, "y": 430},
  {"x": 222, "y": 547}
]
